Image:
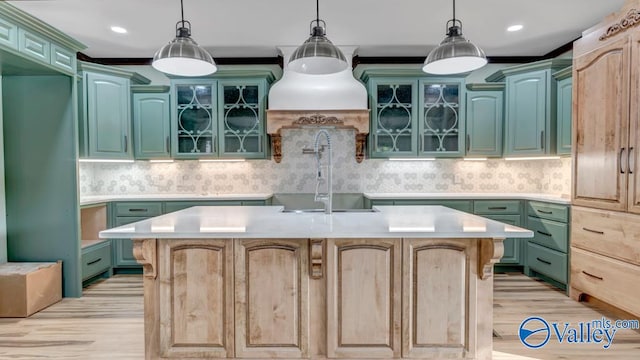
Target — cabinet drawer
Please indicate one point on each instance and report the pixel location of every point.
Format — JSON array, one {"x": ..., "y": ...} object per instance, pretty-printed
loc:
[
  {"x": 551, "y": 234},
  {"x": 606, "y": 232},
  {"x": 33, "y": 46},
  {"x": 8, "y": 34},
  {"x": 548, "y": 211},
  {"x": 496, "y": 207},
  {"x": 179, "y": 205},
  {"x": 462, "y": 205},
  {"x": 548, "y": 262},
  {"x": 139, "y": 209},
  {"x": 96, "y": 259},
  {"x": 607, "y": 279}
]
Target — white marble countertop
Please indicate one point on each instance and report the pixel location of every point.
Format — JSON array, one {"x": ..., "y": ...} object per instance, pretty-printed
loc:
[
  {"x": 271, "y": 222},
  {"x": 90, "y": 200},
  {"x": 559, "y": 199}
]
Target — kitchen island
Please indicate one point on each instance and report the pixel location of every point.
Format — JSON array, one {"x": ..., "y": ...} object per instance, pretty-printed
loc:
[{"x": 257, "y": 282}]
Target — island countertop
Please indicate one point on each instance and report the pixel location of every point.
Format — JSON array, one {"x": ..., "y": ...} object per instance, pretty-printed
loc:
[{"x": 202, "y": 222}]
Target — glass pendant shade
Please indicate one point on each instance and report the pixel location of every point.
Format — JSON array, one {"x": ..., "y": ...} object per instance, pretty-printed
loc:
[
  {"x": 455, "y": 54},
  {"x": 183, "y": 56}
]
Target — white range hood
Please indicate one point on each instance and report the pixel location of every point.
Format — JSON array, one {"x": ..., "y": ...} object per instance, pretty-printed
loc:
[{"x": 339, "y": 91}]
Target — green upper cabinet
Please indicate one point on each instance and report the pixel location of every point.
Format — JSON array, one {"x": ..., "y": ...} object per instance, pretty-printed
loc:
[
  {"x": 241, "y": 118},
  {"x": 530, "y": 121},
  {"x": 564, "y": 110},
  {"x": 441, "y": 118},
  {"x": 194, "y": 118},
  {"x": 393, "y": 117},
  {"x": 484, "y": 119},
  {"x": 151, "y": 122},
  {"x": 106, "y": 112},
  {"x": 414, "y": 115},
  {"x": 221, "y": 116}
]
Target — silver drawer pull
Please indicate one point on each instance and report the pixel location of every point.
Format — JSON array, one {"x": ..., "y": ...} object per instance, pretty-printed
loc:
[
  {"x": 94, "y": 261},
  {"x": 543, "y": 261},
  {"x": 545, "y": 212},
  {"x": 543, "y": 233},
  {"x": 497, "y": 208},
  {"x": 138, "y": 210},
  {"x": 593, "y": 231},
  {"x": 593, "y": 276}
]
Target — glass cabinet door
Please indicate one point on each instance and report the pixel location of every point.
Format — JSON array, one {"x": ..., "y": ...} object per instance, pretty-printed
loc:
[
  {"x": 194, "y": 121},
  {"x": 241, "y": 118},
  {"x": 393, "y": 114},
  {"x": 441, "y": 118}
]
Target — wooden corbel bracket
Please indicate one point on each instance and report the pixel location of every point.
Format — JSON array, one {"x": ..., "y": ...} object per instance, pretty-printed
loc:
[
  {"x": 145, "y": 251},
  {"x": 490, "y": 251},
  {"x": 357, "y": 120}
]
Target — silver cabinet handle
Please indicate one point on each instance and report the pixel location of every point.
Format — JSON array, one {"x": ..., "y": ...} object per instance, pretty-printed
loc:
[{"x": 620, "y": 159}]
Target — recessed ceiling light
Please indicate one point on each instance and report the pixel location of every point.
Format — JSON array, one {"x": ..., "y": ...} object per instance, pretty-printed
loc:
[
  {"x": 513, "y": 28},
  {"x": 118, "y": 29}
]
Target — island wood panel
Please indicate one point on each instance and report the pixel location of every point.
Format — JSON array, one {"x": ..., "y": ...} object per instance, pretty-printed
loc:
[
  {"x": 601, "y": 125},
  {"x": 438, "y": 311},
  {"x": 272, "y": 298},
  {"x": 363, "y": 298},
  {"x": 196, "y": 298}
]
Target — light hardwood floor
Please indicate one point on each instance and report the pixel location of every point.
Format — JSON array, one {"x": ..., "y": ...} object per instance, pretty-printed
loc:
[{"x": 107, "y": 323}]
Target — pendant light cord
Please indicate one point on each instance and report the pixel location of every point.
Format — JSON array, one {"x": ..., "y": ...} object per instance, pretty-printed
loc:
[
  {"x": 454, "y": 11},
  {"x": 317, "y": 12},
  {"x": 182, "y": 11}
]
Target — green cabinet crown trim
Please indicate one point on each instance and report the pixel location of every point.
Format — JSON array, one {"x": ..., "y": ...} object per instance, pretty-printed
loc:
[
  {"x": 33, "y": 24},
  {"x": 564, "y": 73},
  {"x": 34, "y": 46},
  {"x": 268, "y": 72},
  {"x": 552, "y": 64},
  {"x": 134, "y": 77},
  {"x": 498, "y": 86},
  {"x": 63, "y": 58},
  {"x": 150, "y": 88}
]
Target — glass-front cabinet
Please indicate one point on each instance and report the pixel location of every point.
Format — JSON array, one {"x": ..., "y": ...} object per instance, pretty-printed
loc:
[
  {"x": 413, "y": 115},
  {"x": 194, "y": 124},
  {"x": 220, "y": 117},
  {"x": 394, "y": 113},
  {"x": 441, "y": 120},
  {"x": 241, "y": 129}
]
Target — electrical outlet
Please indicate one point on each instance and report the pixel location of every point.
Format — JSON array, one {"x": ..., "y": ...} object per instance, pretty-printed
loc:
[{"x": 457, "y": 179}]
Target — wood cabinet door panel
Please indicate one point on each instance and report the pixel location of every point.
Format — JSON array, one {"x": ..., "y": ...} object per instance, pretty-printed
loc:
[
  {"x": 196, "y": 298},
  {"x": 272, "y": 298},
  {"x": 363, "y": 298},
  {"x": 436, "y": 285},
  {"x": 601, "y": 122},
  {"x": 633, "y": 158}
]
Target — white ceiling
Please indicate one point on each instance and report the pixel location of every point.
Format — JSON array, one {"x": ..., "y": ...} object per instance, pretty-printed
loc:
[{"x": 253, "y": 28}]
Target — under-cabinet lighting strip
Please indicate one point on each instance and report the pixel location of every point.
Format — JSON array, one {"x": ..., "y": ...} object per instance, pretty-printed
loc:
[
  {"x": 105, "y": 160},
  {"x": 475, "y": 159},
  {"x": 533, "y": 158},
  {"x": 161, "y": 161}
]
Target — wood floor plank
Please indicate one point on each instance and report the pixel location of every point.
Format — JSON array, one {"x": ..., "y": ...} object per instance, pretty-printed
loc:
[{"x": 107, "y": 324}]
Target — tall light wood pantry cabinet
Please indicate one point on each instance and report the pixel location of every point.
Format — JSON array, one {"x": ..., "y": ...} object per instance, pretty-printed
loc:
[{"x": 605, "y": 248}]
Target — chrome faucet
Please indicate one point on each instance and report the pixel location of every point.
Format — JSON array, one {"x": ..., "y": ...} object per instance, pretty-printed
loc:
[{"x": 327, "y": 197}]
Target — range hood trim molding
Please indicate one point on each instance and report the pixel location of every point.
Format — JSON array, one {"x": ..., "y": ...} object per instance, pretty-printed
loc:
[{"x": 357, "y": 120}]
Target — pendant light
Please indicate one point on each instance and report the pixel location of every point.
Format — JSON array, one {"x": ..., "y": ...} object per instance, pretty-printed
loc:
[
  {"x": 455, "y": 54},
  {"x": 317, "y": 55},
  {"x": 183, "y": 56}
]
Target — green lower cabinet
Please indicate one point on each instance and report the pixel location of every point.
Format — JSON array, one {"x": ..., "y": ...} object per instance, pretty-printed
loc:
[
  {"x": 96, "y": 261},
  {"x": 179, "y": 205},
  {"x": 462, "y": 205},
  {"x": 123, "y": 248},
  {"x": 512, "y": 247}
]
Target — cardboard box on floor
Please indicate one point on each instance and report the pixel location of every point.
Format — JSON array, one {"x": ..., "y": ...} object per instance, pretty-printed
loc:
[{"x": 26, "y": 288}]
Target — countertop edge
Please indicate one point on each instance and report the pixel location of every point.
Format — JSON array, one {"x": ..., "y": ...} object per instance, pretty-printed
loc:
[{"x": 557, "y": 199}]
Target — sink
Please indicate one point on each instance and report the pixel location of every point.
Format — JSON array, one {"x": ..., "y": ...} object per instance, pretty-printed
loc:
[{"x": 302, "y": 211}]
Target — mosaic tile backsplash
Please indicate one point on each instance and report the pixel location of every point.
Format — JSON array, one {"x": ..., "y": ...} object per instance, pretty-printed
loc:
[{"x": 296, "y": 174}]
